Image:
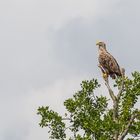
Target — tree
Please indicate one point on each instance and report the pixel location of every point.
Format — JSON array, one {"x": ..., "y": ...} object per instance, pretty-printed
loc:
[{"x": 89, "y": 117}]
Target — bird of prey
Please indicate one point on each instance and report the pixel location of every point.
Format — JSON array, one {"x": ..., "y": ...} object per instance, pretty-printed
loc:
[{"x": 107, "y": 62}]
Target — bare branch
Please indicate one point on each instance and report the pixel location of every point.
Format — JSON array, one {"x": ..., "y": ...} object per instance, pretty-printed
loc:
[
  {"x": 68, "y": 127},
  {"x": 107, "y": 85},
  {"x": 122, "y": 84},
  {"x": 111, "y": 93},
  {"x": 65, "y": 119},
  {"x": 124, "y": 133}
]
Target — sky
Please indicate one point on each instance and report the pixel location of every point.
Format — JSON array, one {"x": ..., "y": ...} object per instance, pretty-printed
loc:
[{"x": 47, "y": 47}]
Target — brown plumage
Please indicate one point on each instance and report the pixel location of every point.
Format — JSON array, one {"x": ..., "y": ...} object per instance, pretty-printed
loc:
[{"x": 107, "y": 62}]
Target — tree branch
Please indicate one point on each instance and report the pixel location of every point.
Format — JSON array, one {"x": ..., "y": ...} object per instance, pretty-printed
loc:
[
  {"x": 115, "y": 99},
  {"x": 124, "y": 133},
  {"x": 66, "y": 119},
  {"x": 68, "y": 127},
  {"x": 122, "y": 84},
  {"x": 111, "y": 93},
  {"x": 107, "y": 85},
  {"x": 115, "y": 107}
]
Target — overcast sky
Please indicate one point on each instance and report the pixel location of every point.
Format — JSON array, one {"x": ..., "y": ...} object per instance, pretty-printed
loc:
[{"x": 47, "y": 47}]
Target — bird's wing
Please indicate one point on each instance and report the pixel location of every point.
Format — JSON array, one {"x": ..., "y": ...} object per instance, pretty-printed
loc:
[{"x": 109, "y": 62}]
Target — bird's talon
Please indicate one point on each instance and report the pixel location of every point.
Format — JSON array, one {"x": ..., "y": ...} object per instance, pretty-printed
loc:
[{"x": 105, "y": 75}]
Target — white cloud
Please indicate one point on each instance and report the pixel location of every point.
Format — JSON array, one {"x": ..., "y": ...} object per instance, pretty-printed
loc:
[
  {"x": 20, "y": 112},
  {"x": 54, "y": 96},
  {"x": 47, "y": 47}
]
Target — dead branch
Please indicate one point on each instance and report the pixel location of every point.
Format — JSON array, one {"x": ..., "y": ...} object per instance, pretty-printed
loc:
[{"x": 122, "y": 84}]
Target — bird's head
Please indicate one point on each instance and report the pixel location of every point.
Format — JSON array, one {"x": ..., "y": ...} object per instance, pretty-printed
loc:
[{"x": 101, "y": 45}]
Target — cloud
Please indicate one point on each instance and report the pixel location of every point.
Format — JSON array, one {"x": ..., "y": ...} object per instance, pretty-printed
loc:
[
  {"x": 48, "y": 47},
  {"x": 54, "y": 96}
]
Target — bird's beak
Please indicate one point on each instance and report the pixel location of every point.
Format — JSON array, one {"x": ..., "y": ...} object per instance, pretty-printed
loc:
[{"x": 97, "y": 43}]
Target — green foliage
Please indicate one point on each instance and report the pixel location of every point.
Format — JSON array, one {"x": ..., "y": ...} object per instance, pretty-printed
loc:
[
  {"x": 52, "y": 120},
  {"x": 127, "y": 103},
  {"x": 91, "y": 118}
]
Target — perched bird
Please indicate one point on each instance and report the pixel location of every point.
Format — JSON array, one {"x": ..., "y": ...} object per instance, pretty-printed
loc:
[{"x": 107, "y": 62}]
